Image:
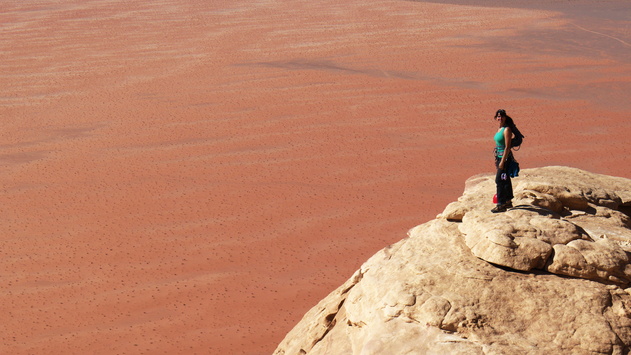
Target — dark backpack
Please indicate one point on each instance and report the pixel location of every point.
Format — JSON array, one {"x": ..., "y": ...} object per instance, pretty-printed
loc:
[{"x": 518, "y": 139}]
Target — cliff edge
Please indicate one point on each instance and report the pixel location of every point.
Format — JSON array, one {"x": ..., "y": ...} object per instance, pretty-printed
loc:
[{"x": 551, "y": 275}]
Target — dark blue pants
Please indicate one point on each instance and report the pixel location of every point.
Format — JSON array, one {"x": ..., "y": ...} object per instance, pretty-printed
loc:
[{"x": 503, "y": 182}]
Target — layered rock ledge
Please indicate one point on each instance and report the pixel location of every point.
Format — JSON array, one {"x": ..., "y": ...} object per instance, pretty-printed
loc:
[{"x": 551, "y": 275}]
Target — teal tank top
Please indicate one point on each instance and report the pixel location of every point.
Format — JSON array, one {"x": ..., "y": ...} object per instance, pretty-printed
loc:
[{"x": 500, "y": 143}]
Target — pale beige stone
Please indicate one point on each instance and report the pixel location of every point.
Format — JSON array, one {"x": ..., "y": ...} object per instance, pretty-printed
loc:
[
  {"x": 569, "y": 261},
  {"x": 454, "y": 211},
  {"x": 561, "y": 288}
]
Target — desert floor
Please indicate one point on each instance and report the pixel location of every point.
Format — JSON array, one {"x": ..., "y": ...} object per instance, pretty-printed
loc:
[{"x": 192, "y": 176}]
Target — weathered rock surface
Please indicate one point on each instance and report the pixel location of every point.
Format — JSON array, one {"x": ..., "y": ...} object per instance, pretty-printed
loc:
[
  {"x": 566, "y": 221},
  {"x": 550, "y": 276}
]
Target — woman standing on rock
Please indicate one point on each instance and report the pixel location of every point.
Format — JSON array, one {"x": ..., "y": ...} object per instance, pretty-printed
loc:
[{"x": 503, "y": 159}]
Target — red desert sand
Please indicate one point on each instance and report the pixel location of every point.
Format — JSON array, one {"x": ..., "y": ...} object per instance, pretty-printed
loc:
[{"x": 192, "y": 176}]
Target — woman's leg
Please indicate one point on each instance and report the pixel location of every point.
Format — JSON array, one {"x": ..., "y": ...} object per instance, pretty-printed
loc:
[
  {"x": 509, "y": 190},
  {"x": 500, "y": 182},
  {"x": 508, "y": 193},
  {"x": 504, "y": 188}
]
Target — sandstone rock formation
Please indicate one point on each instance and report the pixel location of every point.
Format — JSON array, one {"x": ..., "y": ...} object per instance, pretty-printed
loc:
[{"x": 549, "y": 276}]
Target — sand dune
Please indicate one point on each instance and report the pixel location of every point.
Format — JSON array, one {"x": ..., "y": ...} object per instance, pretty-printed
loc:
[{"x": 192, "y": 176}]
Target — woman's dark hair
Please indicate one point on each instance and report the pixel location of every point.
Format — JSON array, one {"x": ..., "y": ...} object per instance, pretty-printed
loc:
[{"x": 508, "y": 122}]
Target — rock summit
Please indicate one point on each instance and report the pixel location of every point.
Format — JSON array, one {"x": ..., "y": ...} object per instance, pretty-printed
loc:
[{"x": 549, "y": 276}]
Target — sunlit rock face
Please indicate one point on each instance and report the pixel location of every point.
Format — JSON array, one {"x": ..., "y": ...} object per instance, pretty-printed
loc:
[{"x": 548, "y": 276}]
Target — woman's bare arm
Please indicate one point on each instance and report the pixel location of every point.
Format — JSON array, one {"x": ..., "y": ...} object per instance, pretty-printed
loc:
[{"x": 508, "y": 137}]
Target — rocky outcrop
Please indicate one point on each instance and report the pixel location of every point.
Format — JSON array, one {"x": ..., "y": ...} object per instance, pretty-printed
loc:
[
  {"x": 566, "y": 222},
  {"x": 548, "y": 276}
]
